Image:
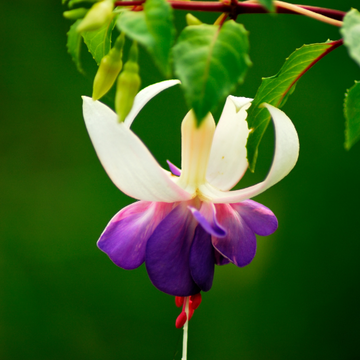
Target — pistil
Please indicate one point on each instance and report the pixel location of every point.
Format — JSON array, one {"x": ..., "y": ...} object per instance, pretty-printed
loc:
[
  {"x": 196, "y": 146},
  {"x": 189, "y": 304}
]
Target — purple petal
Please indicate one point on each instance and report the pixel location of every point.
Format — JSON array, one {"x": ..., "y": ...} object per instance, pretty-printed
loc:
[
  {"x": 202, "y": 259},
  {"x": 206, "y": 217},
  {"x": 258, "y": 217},
  {"x": 239, "y": 245},
  {"x": 219, "y": 259},
  {"x": 124, "y": 239},
  {"x": 174, "y": 169},
  {"x": 168, "y": 251}
]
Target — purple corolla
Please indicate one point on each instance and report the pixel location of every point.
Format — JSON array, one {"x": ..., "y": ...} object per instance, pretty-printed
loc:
[{"x": 187, "y": 220}]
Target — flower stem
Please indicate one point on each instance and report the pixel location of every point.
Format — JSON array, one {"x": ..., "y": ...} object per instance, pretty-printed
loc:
[
  {"x": 186, "y": 326},
  {"x": 245, "y": 7},
  {"x": 308, "y": 13}
]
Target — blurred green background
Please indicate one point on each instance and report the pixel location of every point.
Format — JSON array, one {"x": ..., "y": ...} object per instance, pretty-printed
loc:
[{"x": 62, "y": 298}]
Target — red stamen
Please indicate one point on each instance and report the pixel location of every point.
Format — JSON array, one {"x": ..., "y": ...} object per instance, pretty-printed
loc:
[
  {"x": 195, "y": 301},
  {"x": 179, "y": 300},
  {"x": 191, "y": 313},
  {"x": 181, "y": 320},
  {"x": 184, "y": 304}
]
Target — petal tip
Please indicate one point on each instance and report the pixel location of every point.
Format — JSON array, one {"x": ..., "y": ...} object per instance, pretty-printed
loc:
[
  {"x": 86, "y": 98},
  {"x": 88, "y": 102},
  {"x": 239, "y": 102}
]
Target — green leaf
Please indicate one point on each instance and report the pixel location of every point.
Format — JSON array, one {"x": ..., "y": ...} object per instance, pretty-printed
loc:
[
  {"x": 275, "y": 90},
  {"x": 351, "y": 34},
  {"x": 133, "y": 24},
  {"x": 154, "y": 29},
  {"x": 210, "y": 62},
  {"x": 99, "y": 41},
  {"x": 268, "y": 4},
  {"x": 73, "y": 45},
  {"x": 352, "y": 115}
]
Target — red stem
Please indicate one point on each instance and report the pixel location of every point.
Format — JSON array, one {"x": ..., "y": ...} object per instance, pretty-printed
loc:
[{"x": 239, "y": 8}]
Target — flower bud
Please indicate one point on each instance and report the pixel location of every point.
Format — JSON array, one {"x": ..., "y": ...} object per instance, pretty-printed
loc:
[
  {"x": 109, "y": 69},
  {"x": 75, "y": 14},
  {"x": 192, "y": 20},
  {"x": 99, "y": 14},
  {"x": 128, "y": 85}
]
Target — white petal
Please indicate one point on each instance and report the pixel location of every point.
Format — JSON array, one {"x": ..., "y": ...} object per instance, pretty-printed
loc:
[
  {"x": 239, "y": 102},
  {"x": 285, "y": 157},
  {"x": 145, "y": 95},
  {"x": 126, "y": 159},
  {"x": 228, "y": 162}
]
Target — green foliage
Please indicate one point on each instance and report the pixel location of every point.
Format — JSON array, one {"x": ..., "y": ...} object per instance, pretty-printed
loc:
[
  {"x": 352, "y": 115},
  {"x": 268, "y": 4},
  {"x": 154, "y": 29},
  {"x": 98, "y": 42},
  {"x": 72, "y": 3},
  {"x": 210, "y": 61},
  {"x": 274, "y": 90},
  {"x": 73, "y": 45},
  {"x": 351, "y": 34},
  {"x": 75, "y": 14}
]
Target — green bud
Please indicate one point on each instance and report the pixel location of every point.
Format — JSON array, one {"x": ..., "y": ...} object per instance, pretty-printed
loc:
[
  {"x": 192, "y": 20},
  {"x": 72, "y": 3},
  {"x": 75, "y": 14},
  {"x": 109, "y": 69},
  {"x": 99, "y": 14},
  {"x": 128, "y": 85}
]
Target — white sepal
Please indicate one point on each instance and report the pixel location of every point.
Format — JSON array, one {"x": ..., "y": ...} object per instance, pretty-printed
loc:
[
  {"x": 145, "y": 95},
  {"x": 285, "y": 157},
  {"x": 126, "y": 159},
  {"x": 228, "y": 162}
]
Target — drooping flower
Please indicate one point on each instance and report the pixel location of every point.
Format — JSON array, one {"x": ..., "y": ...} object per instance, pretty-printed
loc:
[{"x": 187, "y": 220}]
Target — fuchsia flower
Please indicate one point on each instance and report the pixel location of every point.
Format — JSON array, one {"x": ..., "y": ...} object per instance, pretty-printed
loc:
[{"x": 186, "y": 220}]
